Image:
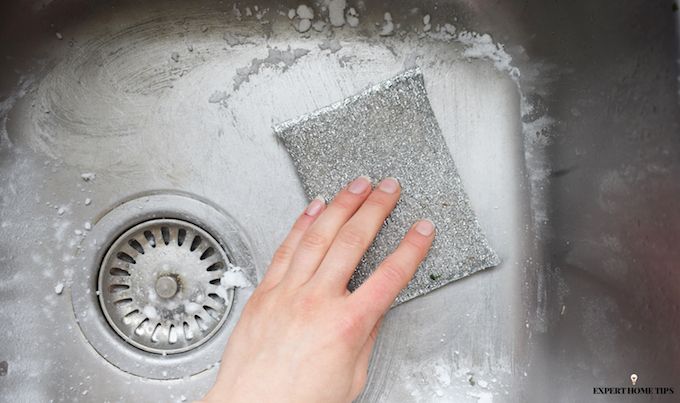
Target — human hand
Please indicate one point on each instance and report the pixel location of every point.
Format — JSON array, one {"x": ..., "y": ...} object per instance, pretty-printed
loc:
[{"x": 303, "y": 337}]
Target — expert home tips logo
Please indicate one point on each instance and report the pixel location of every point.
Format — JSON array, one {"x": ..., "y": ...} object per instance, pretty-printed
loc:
[{"x": 634, "y": 389}]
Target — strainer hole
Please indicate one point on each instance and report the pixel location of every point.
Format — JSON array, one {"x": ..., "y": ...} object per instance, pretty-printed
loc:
[
  {"x": 188, "y": 334},
  {"x": 125, "y": 257},
  {"x": 181, "y": 236},
  {"x": 195, "y": 243},
  {"x": 118, "y": 288},
  {"x": 150, "y": 238},
  {"x": 117, "y": 271},
  {"x": 136, "y": 246},
  {"x": 123, "y": 301},
  {"x": 215, "y": 266},
  {"x": 217, "y": 298},
  {"x": 172, "y": 335},
  {"x": 208, "y": 252},
  {"x": 201, "y": 323},
  {"x": 132, "y": 313},
  {"x": 155, "y": 336},
  {"x": 139, "y": 330},
  {"x": 165, "y": 233},
  {"x": 212, "y": 312}
]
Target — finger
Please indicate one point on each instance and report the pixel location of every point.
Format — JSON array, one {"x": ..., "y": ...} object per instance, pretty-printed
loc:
[
  {"x": 361, "y": 370},
  {"x": 316, "y": 240},
  {"x": 382, "y": 287},
  {"x": 283, "y": 255},
  {"x": 356, "y": 236}
]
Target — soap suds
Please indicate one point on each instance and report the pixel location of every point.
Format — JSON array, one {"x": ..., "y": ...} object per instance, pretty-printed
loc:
[
  {"x": 336, "y": 12},
  {"x": 352, "y": 17},
  {"x": 88, "y": 176},
  {"x": 217, "y": 97},
  {"x": 150, "y": 312},
  {"x": 330, "y": 44},
  {"x": 234, "y": 278},
  {"x": 426, "y": 23},
  {"x": 237, "y": 39},
  {"x": 388, "y": 26},
  {"x": 482, "y": 46},
  {"x": 305, "y": 12},
  {"x": 303, "y": 25},
  {"x": 275, "y": 58}
]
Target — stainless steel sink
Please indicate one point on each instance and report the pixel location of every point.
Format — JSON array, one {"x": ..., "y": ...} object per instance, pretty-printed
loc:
[{"x": 562, "y": 117}]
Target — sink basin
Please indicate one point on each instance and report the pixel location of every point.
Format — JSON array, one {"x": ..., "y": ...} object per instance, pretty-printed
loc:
[{"x": 562, "y": 119}]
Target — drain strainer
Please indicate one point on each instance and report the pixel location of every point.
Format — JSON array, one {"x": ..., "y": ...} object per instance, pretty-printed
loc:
[
  {"x": 159, "y": 286},
  {"x": 148, "y": 297}
]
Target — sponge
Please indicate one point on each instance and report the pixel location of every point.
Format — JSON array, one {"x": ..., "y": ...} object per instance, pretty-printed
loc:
[{"x": 389, "y": 129}]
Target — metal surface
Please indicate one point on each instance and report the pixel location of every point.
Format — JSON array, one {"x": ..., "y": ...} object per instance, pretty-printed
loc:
[
  {"x": 159, "y": 286},
  {"x": 562, "y": 122}
]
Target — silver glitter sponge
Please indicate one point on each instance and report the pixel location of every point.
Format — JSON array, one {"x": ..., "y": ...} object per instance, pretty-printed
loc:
[{"x": 390, "y": 130}]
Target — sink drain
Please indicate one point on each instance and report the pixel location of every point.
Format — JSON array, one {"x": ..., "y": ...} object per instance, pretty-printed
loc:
[
  {"x": 149, "y": 299},
  {"x": 159, "y": 286}
]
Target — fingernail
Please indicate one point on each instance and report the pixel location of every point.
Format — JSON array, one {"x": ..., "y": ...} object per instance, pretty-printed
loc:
[
  {"x": 389, "y": 185},
  {"x": 359, "y": 185},
  {"x": 315, "y": 206},
  {"x": 425, "y": 227}
]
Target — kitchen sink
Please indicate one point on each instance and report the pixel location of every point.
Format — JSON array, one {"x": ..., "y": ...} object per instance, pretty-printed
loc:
[{"x": 122, "y": 118}]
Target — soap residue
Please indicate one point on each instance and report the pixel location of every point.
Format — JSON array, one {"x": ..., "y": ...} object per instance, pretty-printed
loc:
[{"x": 234, "y": 277}]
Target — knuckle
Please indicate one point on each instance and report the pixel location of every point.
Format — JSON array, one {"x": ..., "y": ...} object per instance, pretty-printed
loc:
[
  {"x": 392, "y": 272},
  {"x": 378, "y": 201},
  {"x": 344, "y": 201},
  {"x": 350, "y": 327},
  {"x": 306, "y": 303},
  {"x": 352, "y": 237},
  {"x": 313, "y": 240},
  {"x": 282, "y": 255},
  {"x": 414, "y": 244}
]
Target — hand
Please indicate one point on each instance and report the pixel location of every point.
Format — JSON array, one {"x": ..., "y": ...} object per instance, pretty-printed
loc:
[{"x": 303, "y": 337}]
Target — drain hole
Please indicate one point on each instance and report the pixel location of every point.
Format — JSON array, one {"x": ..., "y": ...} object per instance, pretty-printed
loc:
[
  {"x": 215, "y": 267},
  {"x": 188, "y": 334},
  {"x": 150, "y": 238},
  {"x": 216, "y": 281},
  {"x": 165, "y": 233},
  {"x": 123, "y": 301},
  {"x": 217, "y": 298},
  {"x": 131, "y": 313},
  {"x": 129, "y": 318},
  {"x": 172, "y": 335},
  {"x": 140, "y": 329},
  {"x": 118, "y": 287},
  {"x": 197, "y": 241},
  {"x": 156, "y": 333},
  {"x": 208, "y": 252},
  {"x": 117, "y": 271},
  {"x": 212, "y": 312},
  {"x": 181, "y": 236},
  {"x": 125, "y": 257},
  {"x": 201, "y": 323},
  {"x": 136, "y": 246}
]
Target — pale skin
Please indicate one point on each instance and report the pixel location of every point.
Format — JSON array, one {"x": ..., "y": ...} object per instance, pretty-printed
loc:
[{"x": 302, "y": 337}]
